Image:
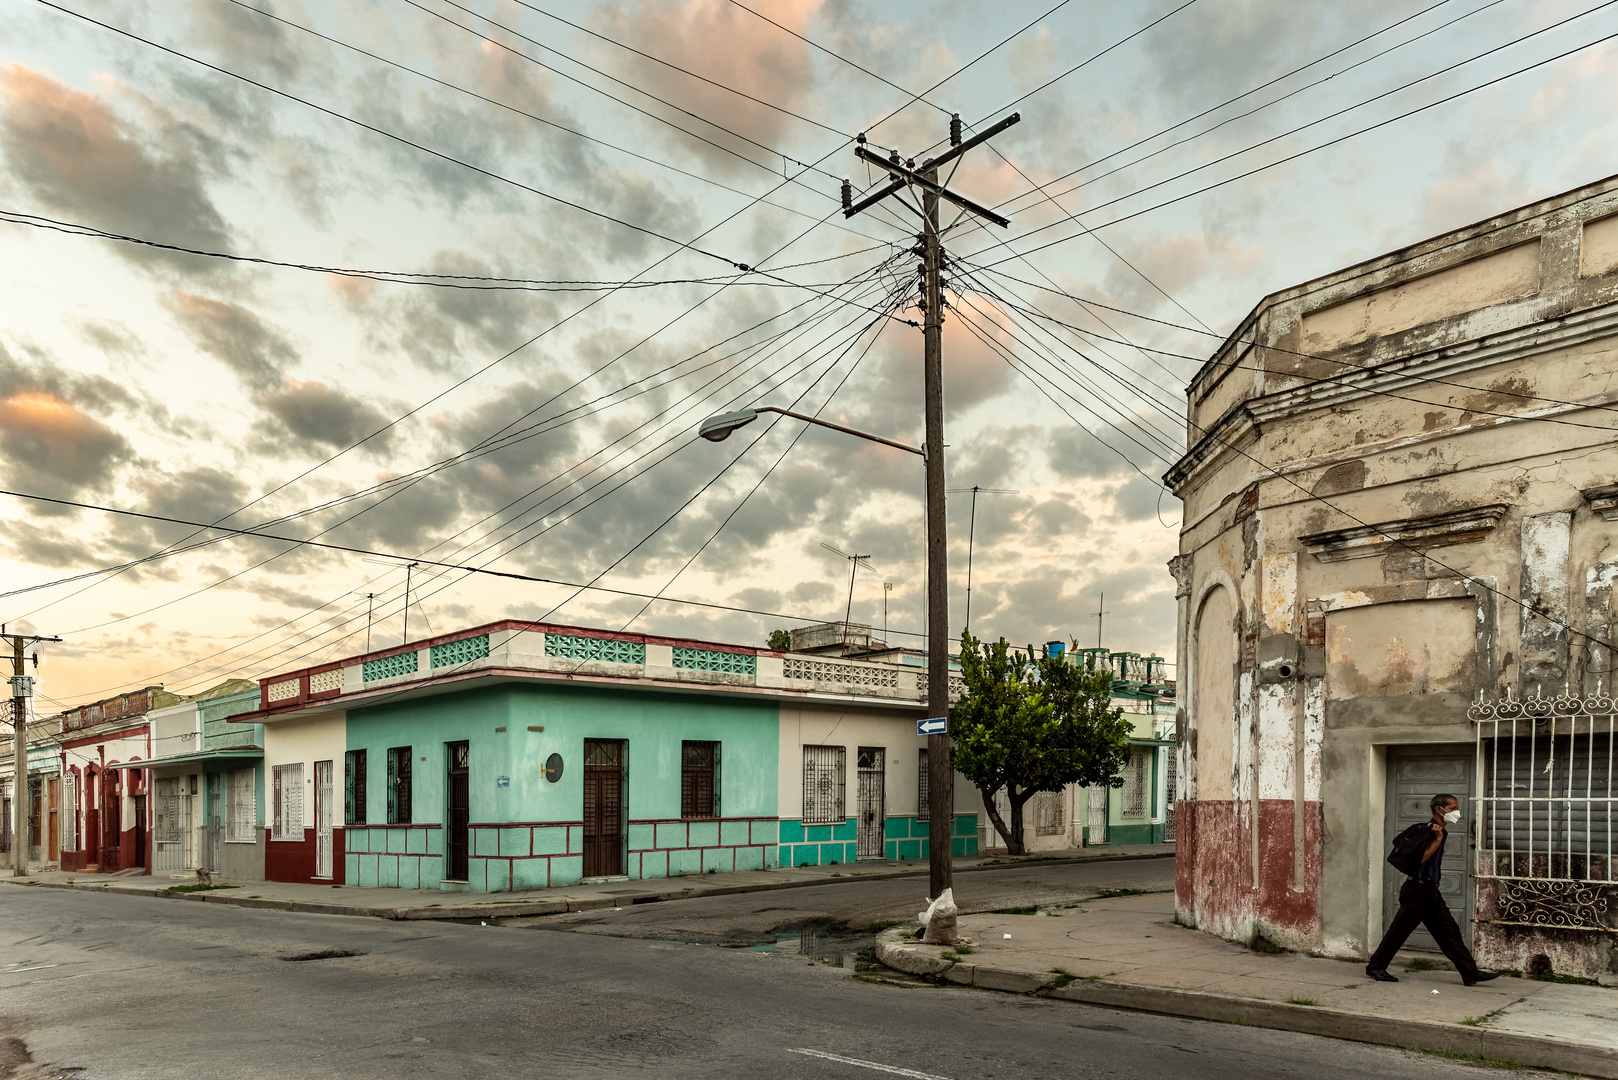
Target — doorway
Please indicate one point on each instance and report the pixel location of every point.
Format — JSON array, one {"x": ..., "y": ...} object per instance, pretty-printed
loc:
[
  {"x": 873, "y": 818},
  {"x": 112, "y": 798},
  {"x": 214, "y": 820},
  {"x": 1415, "y": 775},
  {"x": 1095, "y": 817},
  {"x": 458, "y": 841},
  {"x": 323, "y": 833},
  {"x": 603, "y": 808},
  {"x": 53, "y": 802}
]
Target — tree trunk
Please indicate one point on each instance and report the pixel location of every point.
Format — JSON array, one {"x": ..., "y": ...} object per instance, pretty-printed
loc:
[
  {"x": 1017, "y": 803},
  {"x": 998, "y": 822}
]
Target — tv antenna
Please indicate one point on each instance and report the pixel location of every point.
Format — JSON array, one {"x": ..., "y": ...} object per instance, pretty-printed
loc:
[
  {"x": 971, "y": 534},
  {"x": 408, "y": 567},
  {"x": 854, "y": 564}
]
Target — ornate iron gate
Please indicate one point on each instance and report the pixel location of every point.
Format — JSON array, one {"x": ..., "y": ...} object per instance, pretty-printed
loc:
[{"x": 873, "y": 815}]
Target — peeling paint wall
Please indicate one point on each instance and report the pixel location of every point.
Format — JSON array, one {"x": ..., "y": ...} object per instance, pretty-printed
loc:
[{"x": 1383, "y": 527}]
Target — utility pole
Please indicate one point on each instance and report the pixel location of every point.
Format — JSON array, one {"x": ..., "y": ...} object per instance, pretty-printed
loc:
[
  {"x": 22, "y": 688},
  {"x": 923, "y": 179}
]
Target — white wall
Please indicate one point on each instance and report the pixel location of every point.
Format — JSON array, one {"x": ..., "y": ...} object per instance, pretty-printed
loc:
[
  {"x": 851, "y": 727},
  {"x": 318, "y": 738},
  {"x": 176, "y": 729}
]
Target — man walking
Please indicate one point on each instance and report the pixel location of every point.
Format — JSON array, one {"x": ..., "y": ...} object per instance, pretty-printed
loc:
[{"x": 1420, "y": 902}]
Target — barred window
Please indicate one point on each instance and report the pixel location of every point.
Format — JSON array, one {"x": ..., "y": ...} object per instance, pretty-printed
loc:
[
  {"x": 699, "y": 779},
  {"x": 922, "y": 778},
  {"x": 287, "y": 802},
  {"x": 1547, "y": 800},
  {"x": 1134, "y": 793},
  {"x": 399, "y": 785},
  {"x": 1050, "y": 818},
  {"x": 241, "y": 810},
  {"x": 823, "y": 769},
  {"x": 354, "y": 788},
  {"x": 70, "y": 812}
]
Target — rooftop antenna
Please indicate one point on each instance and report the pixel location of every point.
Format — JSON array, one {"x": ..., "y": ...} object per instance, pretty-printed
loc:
[
  {"x": 408, "y": 567},
  {"x": 1101, "y": 616},
  {"x": 971, "y": 536},
  {"x": 854, "y": 563}
]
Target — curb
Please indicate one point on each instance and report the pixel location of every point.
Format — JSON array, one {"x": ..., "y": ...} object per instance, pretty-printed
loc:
[
  {"x": 1537, "y": 1051},
  {"x": 506, "y": 909}
]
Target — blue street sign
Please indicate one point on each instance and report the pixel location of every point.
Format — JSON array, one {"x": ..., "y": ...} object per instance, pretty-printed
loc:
[
  {"x": 933, "y": 725},
  {"x": 502, "y": 781}
]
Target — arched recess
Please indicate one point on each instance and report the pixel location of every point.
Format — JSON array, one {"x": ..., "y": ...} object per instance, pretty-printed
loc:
[{"x": 1213, "y": 692}]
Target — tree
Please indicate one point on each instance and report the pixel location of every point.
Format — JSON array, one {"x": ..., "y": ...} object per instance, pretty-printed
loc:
[
  {"x": 1030, "y": 724},
  {"x": 780, "y": 640}
]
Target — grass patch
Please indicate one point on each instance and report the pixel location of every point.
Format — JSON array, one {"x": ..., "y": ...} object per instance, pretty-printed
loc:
[
  {"x": 1473, "y": 1021},
  {"x": 1063, "y": 977},
  {"x": 1302, "y": 1001},
  {"x": 1422, "y": 964},
  {"x": 948, "y": 955},
  {"x": 197, "y": 888},
  {"x": 880, "y": 925},
  {"x": 1475, "y": 1059},
  {"x": 1571, "y": 980},
  {"x": 964, "y": 949}
]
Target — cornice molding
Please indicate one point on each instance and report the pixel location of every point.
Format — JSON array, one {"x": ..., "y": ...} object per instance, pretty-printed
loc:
[
  {"x": 1603, "y": 500},
  {"x": 1420, "y": 533}
]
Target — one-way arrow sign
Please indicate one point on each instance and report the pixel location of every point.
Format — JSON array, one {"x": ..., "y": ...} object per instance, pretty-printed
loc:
[{"x": 933, "y": 725}]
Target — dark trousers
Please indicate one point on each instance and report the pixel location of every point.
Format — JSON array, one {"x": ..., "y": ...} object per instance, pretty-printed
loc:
[{"x": 1421, "y": 904}]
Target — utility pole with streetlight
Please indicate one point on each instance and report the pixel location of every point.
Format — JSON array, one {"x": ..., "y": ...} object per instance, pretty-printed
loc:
[
  {"x": 923, "y": 178},
  {"x": 22, "y": 689}
]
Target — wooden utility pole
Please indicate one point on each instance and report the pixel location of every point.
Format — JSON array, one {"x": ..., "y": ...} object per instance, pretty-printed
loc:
[
  {"x": 22, "y": 688},
  {"x": 924, "y": 180}
]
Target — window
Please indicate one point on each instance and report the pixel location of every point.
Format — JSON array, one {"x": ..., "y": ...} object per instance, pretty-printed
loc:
[
  {"x": 70, "y": 812},
  {"x": 1050, "y": 818},
  {"x": 922, "y": 777},
  {"x": 354, "y": 788},
  {"x": 241, "y": 806},
  {"x": 399, "y": 785},
  {"x": 1134, "y": 794},
  {"x": 1547, "y": 803},
  {"x": 823, "y": 784},
  {"x": 699, "y": 779},
  {"x": 287, "y": 802}
]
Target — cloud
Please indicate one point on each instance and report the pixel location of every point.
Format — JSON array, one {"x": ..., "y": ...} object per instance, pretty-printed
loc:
[
  {"x": 320, "y": 413},
  {"x": 235, "y": 335},
  {"x": 729, "y": 46},
  {"x": 73, "y": 153},
  {"x": 45, "y": 436}
]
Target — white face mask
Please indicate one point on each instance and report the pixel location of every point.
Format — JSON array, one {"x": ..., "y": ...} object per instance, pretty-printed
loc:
[{"x": 1452, "y": 816}]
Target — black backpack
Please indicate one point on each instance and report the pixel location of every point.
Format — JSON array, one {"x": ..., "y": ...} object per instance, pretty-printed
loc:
[{"x": 1408, "y": 848}]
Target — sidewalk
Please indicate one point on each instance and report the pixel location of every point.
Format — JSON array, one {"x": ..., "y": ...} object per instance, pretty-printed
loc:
[
  {"x": 1127, "y": 952},
  {"x": 438, "y": 904}
]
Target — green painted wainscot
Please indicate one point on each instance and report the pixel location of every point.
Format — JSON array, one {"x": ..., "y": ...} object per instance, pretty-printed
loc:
[
  {"x": 834, "y": 844},
  {"x": 527, "y": 831}
]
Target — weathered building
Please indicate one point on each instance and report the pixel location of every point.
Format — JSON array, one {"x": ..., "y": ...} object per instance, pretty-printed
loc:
[
  {"x": 1399, "y": 513},
  {"x": 104, "y": 813}
]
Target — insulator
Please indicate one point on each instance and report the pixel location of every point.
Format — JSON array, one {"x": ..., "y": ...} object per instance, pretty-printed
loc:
[
  {"x": 910, "y": 163},
  {"x": 893, "y": 156},
  {"x": 860, "y": 138},
  {"x": 955, "y": 129},
  {"x": 848, "y": 194}
]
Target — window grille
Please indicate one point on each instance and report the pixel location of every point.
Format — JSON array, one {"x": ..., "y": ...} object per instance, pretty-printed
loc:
[
  {"x": 1546, "y": 812},
  {"x": 593, "y": 648},
  {"x": 241, "y": 810},
  {"x": 399, "y": 785},
  {"x": 389, "y": 666},
  {"x": 287, "y": 802},
  {"x": 823, "y": 768},
  {"x": 354, "y": 788},
  {"x": 166, "y": 826},
  {"x": 70, "y": 812},
  {"x": 699, "y": 779},
  {"x": 1050, "y": 818},
  {"x": 730, "y": 663},
  {"x": 1134, "y": 793},
  {"x": 1171, "y": 773},
  {"x": 463, "y": 651},
  {"x": 922, "y": 777}
]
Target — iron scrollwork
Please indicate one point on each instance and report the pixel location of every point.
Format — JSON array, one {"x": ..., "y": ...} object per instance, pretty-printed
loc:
[{"x": 1563, "y": 905}]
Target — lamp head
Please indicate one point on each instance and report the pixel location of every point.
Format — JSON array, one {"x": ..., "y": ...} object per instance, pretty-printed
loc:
[{"x": 718, "y": 428}]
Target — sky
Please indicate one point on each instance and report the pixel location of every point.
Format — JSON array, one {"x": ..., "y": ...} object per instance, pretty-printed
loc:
[{"x": 491, "y": 262}]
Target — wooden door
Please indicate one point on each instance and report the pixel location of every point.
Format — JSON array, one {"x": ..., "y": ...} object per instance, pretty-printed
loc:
[
  {"x": 112, "y": 798},
  {"x": 603, "y": 808},
  {"x": 872, "y": 795},
  {"x": 458, "y": 838},
  {"x": 1415, "y": 775}
]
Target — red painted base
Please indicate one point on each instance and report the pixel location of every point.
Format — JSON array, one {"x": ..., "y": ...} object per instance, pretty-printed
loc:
[
  {"x": 294, "y": 860},
  {"x": 1219, "y": 887}
]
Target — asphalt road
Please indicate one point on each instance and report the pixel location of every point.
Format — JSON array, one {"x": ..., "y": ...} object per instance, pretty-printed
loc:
[{"x": 124, "y": 986}]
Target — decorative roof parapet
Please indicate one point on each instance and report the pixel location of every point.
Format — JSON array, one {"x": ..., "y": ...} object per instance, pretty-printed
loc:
[{"x": 1421, "y": 533}]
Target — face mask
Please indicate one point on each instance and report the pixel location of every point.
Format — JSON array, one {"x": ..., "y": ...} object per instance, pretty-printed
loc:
[{"x": 1452, "y": 817}]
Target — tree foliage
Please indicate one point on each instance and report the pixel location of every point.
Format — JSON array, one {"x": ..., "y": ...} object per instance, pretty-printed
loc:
[
  {"x": 1029, "y": 723},
  {"x": 779, "y": 640}
]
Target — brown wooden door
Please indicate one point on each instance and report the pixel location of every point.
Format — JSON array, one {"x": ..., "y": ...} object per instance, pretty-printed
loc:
[
  {"x": 603, "y": 808},
  {"x": 53, "y": 800},
  {"x": 112, "y": 805}
]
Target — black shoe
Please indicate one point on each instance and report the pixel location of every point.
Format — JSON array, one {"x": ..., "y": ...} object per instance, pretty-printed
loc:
[
  {"x": 1380, "y": 974},
  {"x": 1482, "y": 976}
]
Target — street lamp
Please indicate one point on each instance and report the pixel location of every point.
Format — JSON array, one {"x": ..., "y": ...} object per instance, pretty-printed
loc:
[{"x": 940, "y": 776}]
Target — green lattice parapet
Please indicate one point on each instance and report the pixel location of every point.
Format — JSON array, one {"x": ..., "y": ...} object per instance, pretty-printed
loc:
[
  {"x": 593, "y": 648},
  {"x": 388, "y": 666},
  {"x": 730, "y": 663},
  {"x": 463, "y": 651}
]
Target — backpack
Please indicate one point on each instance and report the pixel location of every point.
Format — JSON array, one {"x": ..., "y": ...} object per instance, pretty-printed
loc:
[{"x": 1408, "y": 848}]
